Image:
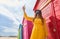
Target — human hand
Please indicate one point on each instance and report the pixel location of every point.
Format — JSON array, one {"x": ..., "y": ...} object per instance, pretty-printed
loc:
[{"x": 23, "y": 8}]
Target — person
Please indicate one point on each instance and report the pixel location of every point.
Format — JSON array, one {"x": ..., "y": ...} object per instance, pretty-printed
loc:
[{"x": 39, "y": 30}]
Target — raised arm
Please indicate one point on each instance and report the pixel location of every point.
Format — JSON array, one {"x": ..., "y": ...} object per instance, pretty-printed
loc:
[
  {"x": 45, "y": 4},
  {"x": 25, "y": 15}
]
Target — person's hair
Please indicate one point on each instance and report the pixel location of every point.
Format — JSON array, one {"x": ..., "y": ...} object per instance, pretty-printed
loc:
[{"x": 40, "y": 15}]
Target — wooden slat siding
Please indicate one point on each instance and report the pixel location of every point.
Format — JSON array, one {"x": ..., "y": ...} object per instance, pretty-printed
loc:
[
  {"x": 57, "y": 12},
  {"x": 35, "y": 7}
]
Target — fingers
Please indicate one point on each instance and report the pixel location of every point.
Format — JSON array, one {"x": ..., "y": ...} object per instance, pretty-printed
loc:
[{"x": 24, "y": 8}]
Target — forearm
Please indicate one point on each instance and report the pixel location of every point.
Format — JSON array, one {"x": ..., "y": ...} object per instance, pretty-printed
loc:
[{"x": 25, "y": 15}]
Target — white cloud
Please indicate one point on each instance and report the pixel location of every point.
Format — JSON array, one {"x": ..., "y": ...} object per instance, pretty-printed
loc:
[
  {"x": 14, "y": 3},
  {"x": 3, "y": 27},
  {"x": 19, "y": 16},
  {"x": 10, "y": 2},
  {"x": 14, "y": 16},
  {"x": 6, "y": 29},
  {"x": 22, "y": 3},
  {"x": 10, "y": 30},
  {"x": 28, "y": 3},
  {"x": 8, "y": 14}
]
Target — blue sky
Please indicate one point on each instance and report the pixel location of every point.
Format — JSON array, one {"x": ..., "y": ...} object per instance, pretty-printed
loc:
[{"x": 11, "y": 15}]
